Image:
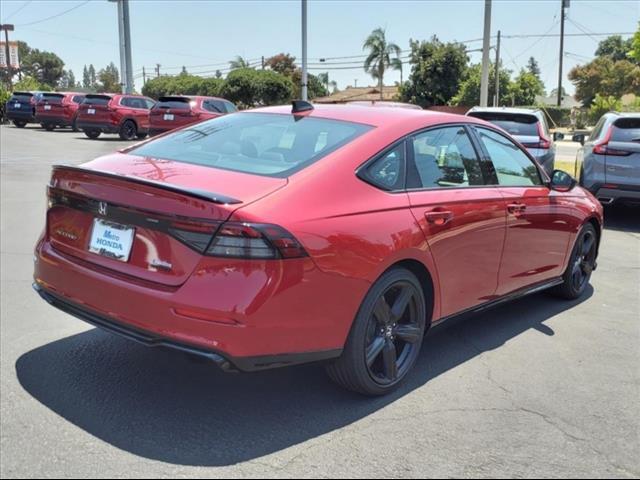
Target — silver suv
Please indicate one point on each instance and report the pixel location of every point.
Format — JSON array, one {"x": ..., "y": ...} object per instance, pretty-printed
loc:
[
  {"x": 527, "y": 126},
  {"x": 610, "y": 158}
]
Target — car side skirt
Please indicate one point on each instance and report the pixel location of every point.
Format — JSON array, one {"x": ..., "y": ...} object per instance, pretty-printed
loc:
[
  {"x": 225, "y": 362},
  {"x": 523, "y": 292}
]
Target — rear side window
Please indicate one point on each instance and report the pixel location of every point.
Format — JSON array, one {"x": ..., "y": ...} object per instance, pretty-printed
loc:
[
  {"x": 626, "y": 130},
  {"x": 523, "y": 125},
  {"x": 217, "y": 106},
  {"x": 387, "y": 171},
  {"x": 444, "y": 157},
  {"x": 78, "y": 99},
  {"x": 97, "y": 99},
  {"x": 513, "y": 167},
  {"x": 259, "y": 143}
]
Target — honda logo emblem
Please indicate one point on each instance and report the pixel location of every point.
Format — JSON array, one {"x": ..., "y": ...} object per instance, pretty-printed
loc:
[{"x": 102, "y": 208}]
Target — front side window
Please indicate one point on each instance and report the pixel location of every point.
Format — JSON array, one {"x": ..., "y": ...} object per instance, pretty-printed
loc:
[
  {"x": 444, "y": 157},
  {"x": 259, "y": 143},
  {"x": 513, "y": 167}
]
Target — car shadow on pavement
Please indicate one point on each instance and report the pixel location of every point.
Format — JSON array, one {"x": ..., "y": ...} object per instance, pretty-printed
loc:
[
  {"x": 165, "y": 406},
  {"x": 624, "y": 218}
]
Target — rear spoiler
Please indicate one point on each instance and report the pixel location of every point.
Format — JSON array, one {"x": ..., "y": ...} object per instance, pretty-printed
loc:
[{"x": 192, "y": 192}]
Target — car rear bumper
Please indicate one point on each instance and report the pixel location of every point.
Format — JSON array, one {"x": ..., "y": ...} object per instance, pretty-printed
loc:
[
  {"x": 58, "y": 120},
  {"x": 253, "y": 318},
  {"x": 623, "y": 194},
  {"x": 26, "y": 116},
  {"x": 104, "y": 127}
]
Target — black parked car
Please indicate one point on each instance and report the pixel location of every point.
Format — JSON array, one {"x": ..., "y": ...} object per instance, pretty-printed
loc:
[{"x": 21, "y": 108}]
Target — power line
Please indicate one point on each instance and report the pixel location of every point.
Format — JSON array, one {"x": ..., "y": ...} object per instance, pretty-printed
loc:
[
  {"x": 16, "y": 11},
  {"x": 54, "y": 16}
]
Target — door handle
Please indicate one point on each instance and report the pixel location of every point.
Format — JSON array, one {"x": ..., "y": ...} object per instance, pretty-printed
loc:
[
  {"x": 439, "y": 217},
  {"x": 516, "y": 208}
]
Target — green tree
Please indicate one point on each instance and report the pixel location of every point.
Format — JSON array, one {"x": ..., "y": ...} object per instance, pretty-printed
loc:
[
  {"x": 380, "y": 55},
  {"x": 44, "y": 66},
  {"x": 240, "y": 87},
  {"x": 92, "y": 76},
  {"x": 274, "y": 88},
  {"x": 315, "y": 87},
  {"x": 282, "y": 63},
  {"x": 606, "y": 77},
  {"x": 615, "y": 48},
  {"x": 437, "y": 70},
  {"x": 68, "y": 80},
  {"x": 634, "y": 54},
  {"x": 603, "y": 104},
  {"x": 469, "y": 92},
  {"x": 29, "y": 83},
  {"x": 109, "y": 79},
  {"x": 329, "y": 85},
  {"x": 524, "y": 89},
  {"x": 86, "y": 79},
  {"x": 239, "y": 63},
  {"x": 533, "y": 68}
]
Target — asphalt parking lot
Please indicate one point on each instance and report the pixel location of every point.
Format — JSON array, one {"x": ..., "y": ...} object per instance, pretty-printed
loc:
[{"x": 539, "y": 387}]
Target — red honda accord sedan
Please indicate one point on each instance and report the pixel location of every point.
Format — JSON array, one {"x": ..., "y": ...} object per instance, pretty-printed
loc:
[{"x": 280, "y": 236}]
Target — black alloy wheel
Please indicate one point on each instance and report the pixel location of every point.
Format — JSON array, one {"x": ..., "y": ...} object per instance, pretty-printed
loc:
[
  {"x": 581, "y": 264},
  {"x": 128, "y": 130}
]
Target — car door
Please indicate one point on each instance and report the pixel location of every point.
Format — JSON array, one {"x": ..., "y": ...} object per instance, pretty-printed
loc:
[
  {"x": 539, "y": 220},
  {"x": 462, "y": 218}
]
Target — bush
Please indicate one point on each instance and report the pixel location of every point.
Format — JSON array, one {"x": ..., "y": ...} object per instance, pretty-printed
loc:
[{"x": 603, "y": 104}]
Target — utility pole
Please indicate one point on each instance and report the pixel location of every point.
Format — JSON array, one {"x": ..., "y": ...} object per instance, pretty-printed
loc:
[
  {"x": 144, "y": 77},
  {"x": 262, "y": 62},
  {"x": 496, "y": 102},
  {"x": 158, "y": 70},
  {"x": 121, "y": 44},
  {"x": 7, "y": 28},
  {"x": 304, "y": 50},
  {"x": 484, "y": 81},
  {"x": 565, "y": 4},
  {"x": 127, "y": 46}
]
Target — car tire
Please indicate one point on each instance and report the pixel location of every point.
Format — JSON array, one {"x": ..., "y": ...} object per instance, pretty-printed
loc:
[
  {"x": 383, "y": 345},
  {"x": 49, "y": 127},
  {"x": 93, "y": 134},
  {"x": 581, "y": 264},
  {"x": 141, "y": 135},
  {"x": 128, "y": 130},
  {"x": 20, "y": 123}
]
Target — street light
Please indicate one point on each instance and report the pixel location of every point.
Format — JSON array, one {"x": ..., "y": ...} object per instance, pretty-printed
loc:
[{"x": 7, "y": 28}]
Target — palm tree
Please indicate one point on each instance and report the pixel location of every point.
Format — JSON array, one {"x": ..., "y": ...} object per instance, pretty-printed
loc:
[
  {"x": 380, "y": 53},
  {"x": 239, "y": 62},
  {"x": 329, "y": 85}
]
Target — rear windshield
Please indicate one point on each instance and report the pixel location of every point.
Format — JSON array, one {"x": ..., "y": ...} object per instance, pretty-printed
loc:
[
  {"x": 52, "y": 97},
  {"x": 21, "y": 97},
  {"x": 626, "y": 130},
  {"x": 97, "y": 99},
  {"x": 174, "y": 102},
  {"x": 524, "y": 125},
  {"x": 259, "y": 143}
]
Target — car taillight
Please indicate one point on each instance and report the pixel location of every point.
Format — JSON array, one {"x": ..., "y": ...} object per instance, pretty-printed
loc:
[
  {"x": 254, "y": 240},
  {"x": 543, "y": 143},
  {"x": 197, "y": 235},
  {"x": 603, "y": 148}
]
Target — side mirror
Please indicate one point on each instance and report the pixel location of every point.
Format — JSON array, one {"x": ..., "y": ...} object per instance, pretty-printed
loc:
[
  {"x": 578, "y": 137},
  {"x": 562, "y": 181},
  {"x": 558, "y": 136}
]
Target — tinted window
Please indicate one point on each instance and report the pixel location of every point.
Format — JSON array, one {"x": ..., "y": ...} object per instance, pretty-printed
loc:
[
  {"x": 260, "y": 143},
  {"x": 524, "y": 125},
  {"x": 387, "y": 171},
  {"x": 133, "y": 102},
  {"x": 52, "y": 97},
  {"x": 150, "y": 103},
  {"x": 626, "y": 130},
  {"x": 97, "y": 99},
  {"x": 175, "y": 103},
  {"x": 78, "y": 99},
  {"x": 216, "y": 106},
  {"x": 230, "y": 107},
  {"x": 21, "y": 97},
  {"x": 444, "y": 157},
  {"x": 511, "y": 164},
  {"x": 597, "y": 130}
]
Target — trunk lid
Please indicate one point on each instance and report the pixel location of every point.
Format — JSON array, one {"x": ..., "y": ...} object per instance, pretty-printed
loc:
[
  {"x": 51, "y": 104},
  {"x": 623, "y": 164},
  {"x": 172, "y": 112},
  {"x": 95, "y": 108},
  {"x": 169, "y": 211}
]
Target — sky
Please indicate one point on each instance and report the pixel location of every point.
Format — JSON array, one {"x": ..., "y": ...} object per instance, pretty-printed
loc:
[{"x": 204, "y": 35}]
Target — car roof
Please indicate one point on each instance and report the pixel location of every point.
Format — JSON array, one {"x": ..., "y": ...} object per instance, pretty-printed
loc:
[
  {"x": 376, "y": 116},
  {"x": 515, "y": 111},
  {"x": 624, "y": 114}
]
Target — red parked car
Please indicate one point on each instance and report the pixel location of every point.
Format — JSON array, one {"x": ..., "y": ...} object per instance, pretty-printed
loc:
[
  {"x": 58, "y": 109},
  {"x": 274, "y": 236},
  {"x": 126, "y": 115},
  {"x": 178, "y": 111}
]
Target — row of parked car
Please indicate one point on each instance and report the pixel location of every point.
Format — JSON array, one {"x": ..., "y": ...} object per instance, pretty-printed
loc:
[{"x": 130, "y": 116}]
